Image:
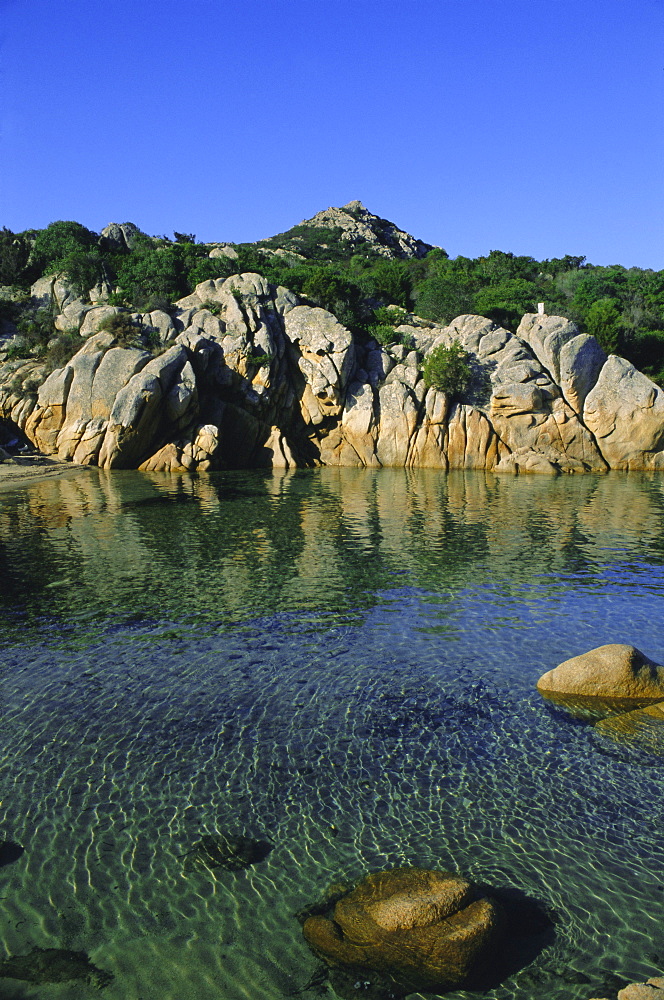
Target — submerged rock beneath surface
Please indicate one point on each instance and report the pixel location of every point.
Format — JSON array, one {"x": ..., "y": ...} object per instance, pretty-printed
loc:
[
  {"x": 653, "y": 989},
  {"x": 642, "y": 729},
  {"x": 229, "y": 852},
  {"x": 609, "y": 679},
  {"x": 419, "y": 929},
  {"x": 54, "y": 965}
]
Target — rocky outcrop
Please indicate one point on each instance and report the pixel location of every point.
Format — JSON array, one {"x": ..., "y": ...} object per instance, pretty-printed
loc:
[
  {"x": 242, "y": 373},
  {"x": 423, "y": 929},
  {"x": 119, "y": 236},
  {"x": 361, "y": 228},
  {"x": 616, "y": 671}
]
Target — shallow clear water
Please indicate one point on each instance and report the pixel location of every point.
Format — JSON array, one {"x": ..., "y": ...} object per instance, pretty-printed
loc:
[{"x": 342, "y": 662}]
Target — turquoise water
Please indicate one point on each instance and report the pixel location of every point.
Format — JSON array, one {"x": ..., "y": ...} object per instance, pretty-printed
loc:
[{"x": 341, "y": 662}]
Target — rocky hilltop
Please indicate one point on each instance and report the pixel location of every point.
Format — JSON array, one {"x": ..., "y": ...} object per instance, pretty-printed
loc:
[
  {"x": 243, "y": 373},
  {"x": 355, "y": 228}
]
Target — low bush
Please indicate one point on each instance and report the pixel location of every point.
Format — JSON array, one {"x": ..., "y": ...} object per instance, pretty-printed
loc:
[
  {"x": 216, "y": 308},
  {"x": 125, "y": 330},
  {"x": 448, "y": 369},
  {"x": 384, "y": 334},
  {"x": 62, "y": 349},
  {"x": 18, "y": 348}
]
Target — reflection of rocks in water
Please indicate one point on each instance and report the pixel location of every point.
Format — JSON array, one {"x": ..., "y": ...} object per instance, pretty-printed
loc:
[
  {"x": 227, "y": 851},
  {"x": 10, "y": 852},
  {"x": 416, "y": 929},
  {"x": 54, "y": 965}
]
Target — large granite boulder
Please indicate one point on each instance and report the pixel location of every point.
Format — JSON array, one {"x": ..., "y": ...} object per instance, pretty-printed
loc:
[
  {"x": 625, "y": 412},
  {"x": 423, "y": 929},
  {"x": 615, "y": 677}
]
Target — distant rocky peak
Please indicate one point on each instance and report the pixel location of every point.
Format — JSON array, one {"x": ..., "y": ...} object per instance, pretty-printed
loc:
[
  {"x": 360, "y": 227},
  {"x": 119, "y": 236}
]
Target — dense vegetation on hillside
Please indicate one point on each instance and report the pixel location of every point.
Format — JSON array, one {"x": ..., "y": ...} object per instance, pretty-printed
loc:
[{"x": 622, "y": 307}]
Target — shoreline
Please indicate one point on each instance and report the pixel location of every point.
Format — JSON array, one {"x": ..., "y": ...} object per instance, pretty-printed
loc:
[{"x": 17, "y": 472}]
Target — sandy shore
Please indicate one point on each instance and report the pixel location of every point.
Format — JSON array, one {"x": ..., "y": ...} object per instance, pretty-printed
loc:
[{"x": 22, "y": 470}]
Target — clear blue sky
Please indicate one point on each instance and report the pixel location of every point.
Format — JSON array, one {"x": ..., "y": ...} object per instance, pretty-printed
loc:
[{"x": 535, "y": 126}]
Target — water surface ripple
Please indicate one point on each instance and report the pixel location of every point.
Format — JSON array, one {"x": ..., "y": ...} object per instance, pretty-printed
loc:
[{"x": 341, "y": 662}]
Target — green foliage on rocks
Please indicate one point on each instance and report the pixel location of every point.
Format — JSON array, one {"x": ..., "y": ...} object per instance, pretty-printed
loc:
[
  {"x": 448, "y": 369},
  {"x": 62, "y": 349},
  {"x": 623, "y": 307}
]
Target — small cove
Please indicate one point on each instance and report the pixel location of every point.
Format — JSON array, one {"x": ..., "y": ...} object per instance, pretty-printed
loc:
[{"x": 342, "y": 662}]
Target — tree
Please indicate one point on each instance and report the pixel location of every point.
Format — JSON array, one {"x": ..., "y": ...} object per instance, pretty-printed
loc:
[
  {"x": 56, "y": 243},
  {"x": 14, "y": 254},
  {"x": 603, "y": 323},
  {"x": 506, "y": 301}
]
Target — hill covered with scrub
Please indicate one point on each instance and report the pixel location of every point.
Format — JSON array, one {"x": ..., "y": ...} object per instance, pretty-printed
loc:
[{"x": 343, "y": 341}]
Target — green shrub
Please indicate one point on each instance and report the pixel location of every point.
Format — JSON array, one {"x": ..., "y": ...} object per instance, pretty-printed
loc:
[
  {"x": 215, "y": 308},
  {"x": 14, "y": 253},
  {"x": 604, "y": 324},
  {"x": 122, "y": 326},
  {"x": 31, "y": 387},
  {"x": 390, "y": 316},
  {"x": 384, "y": 334},
  {"x": 152, "y": 339},
  {"x": 448, "y": 369},
  {"x": 36, "y": 329},
  {"x": 62, "y": 349},
  {"x": 19, "y": 348}
]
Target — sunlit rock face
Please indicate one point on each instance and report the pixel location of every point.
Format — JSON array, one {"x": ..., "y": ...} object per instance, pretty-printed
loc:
[
  {"x": 615, "y": 672},
  {"x": 278, "y": 383}
]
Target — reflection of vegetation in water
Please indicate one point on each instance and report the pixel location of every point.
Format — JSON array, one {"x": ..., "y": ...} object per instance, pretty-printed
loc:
[{"x": 236, "y": 546}]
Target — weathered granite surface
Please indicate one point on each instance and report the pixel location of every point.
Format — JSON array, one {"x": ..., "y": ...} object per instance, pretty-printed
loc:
[{"x": 251, "y": 376}]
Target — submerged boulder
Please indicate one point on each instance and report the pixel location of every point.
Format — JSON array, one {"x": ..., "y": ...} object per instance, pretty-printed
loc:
[
  {"x": 641, "y": 729},
  {"x": 231, "y": 852},
  {"x": 615, "y": 677},
  {"x": 653, "y": 989},
  {"x": 422, "y": 929}
]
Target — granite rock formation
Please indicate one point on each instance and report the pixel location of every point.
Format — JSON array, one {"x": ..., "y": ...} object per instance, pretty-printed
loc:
[
  {"x": 615, "y": 672},
  {"x": 360, "y": 227},
  {"x": 423, "y": 929},
  {"x": 246, "y": 374}
]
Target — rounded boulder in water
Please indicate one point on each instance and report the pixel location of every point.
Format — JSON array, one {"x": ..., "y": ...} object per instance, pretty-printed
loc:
[
  {"x": 618, "y": 675},
  {"x": 423, "y": 929}
]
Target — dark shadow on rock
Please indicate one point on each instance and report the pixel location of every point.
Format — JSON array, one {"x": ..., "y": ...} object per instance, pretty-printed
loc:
[{"x": 10, "y": 852}]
